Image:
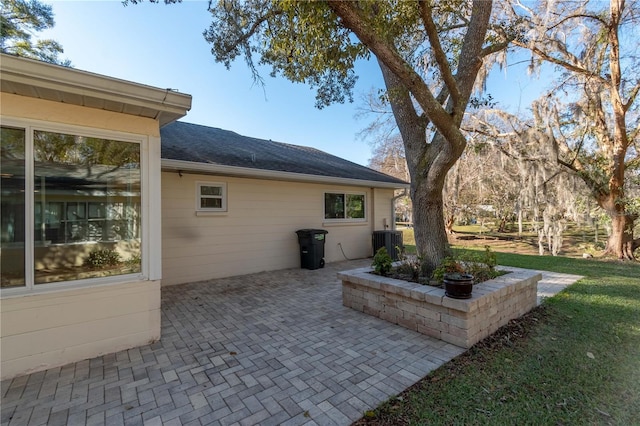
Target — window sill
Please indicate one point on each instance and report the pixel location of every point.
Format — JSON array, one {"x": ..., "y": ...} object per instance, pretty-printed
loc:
[
  {"x": 344, "y": 223},
  {"x": 205, "y": 214},
  {"x": 62, "y": 286}
]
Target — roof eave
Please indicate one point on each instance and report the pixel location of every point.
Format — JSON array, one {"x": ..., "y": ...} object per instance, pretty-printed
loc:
[
  {"x": 28, "y": 77},
  {"x": 218, "y": 169}
]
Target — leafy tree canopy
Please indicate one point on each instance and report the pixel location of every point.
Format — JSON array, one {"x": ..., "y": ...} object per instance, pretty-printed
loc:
[
  {"x": 291, "y": 38},
  {"x": 19, "y": 21}
]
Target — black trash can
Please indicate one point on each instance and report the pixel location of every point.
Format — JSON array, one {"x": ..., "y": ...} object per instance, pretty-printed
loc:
[{"x": 311, "y": 248}]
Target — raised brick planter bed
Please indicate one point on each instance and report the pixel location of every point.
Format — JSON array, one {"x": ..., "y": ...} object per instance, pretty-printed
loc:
[{"x": 427, "y": 310}]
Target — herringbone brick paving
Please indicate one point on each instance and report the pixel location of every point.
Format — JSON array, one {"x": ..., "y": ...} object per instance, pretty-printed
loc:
[{"x": 275, "y": 348}]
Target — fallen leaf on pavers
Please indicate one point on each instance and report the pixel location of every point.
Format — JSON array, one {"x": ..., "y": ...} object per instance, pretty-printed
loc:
[
  {"x": 590, "y": 355},
  {"x": 306, "y": 414},
  {"x": 233, "y": 353}
]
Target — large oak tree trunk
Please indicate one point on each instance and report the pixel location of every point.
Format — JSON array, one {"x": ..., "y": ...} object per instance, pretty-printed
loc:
[
  {"x": 621, "y": 243},
  {"x": 428, "y": 217},
  {"x": 428, "y": 162}
]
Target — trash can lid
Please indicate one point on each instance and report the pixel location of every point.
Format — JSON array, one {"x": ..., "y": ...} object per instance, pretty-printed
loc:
[{"x": 311, "y": 231}]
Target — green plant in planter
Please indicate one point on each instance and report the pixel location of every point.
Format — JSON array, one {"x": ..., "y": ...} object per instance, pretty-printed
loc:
[
  {"x": 479, "y": 264},
  {"x": 382, "y": 262},
  {"x": 449, "y": 265},
  {"x": 482, "y": 265}
]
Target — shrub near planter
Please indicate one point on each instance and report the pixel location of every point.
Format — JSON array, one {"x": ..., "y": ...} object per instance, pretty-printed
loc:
[{"x": 426, "y": 309}]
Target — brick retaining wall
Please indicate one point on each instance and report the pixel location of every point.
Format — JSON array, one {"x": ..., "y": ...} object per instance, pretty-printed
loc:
[{"x": 427, "y": 310}]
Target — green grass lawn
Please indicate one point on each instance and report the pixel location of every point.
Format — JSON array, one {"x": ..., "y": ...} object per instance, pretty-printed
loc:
[{"x": 573, "y": 361}]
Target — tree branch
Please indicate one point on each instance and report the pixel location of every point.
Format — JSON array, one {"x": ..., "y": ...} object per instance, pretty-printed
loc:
[
  {"x": 553, "y": 176},
  {"x": 496, "y": 47},
  {"x": 470, "y": 59},
  {"x": 454, "y": 26},
  {"x": 568, "y": 66},
  {"x": 632, "y": 97},
  {"x": 351, "y": 18},
  {"x": 244, "y": 37},
  {"x": 412, "y": 126},
  {"x": 426, "y": 13},
  {"x": 579, "y": 15},
  {"x": 633, "y": 163},
  {"x": 568, "y": 165}
]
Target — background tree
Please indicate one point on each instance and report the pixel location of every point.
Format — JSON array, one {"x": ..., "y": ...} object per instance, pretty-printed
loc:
[
  {"x": 532, "y": 181},
  {"x": 592, "y": 113},
  {"x": 388, "y": 157},
  {"x": 19, "y": 21},
  {"x": 466, "y": 193}
]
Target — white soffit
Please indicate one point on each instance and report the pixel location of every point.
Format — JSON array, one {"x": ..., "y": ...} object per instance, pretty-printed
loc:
[{"x": 36, "y": 79}]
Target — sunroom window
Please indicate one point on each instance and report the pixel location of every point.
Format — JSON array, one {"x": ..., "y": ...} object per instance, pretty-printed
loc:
[
  {"x": 12, "y": 207},
  {"x": 80, "y": 207}
]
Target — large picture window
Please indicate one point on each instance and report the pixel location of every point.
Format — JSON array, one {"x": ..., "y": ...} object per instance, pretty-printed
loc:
[
  {"x": 84, "y": 204},
  {"x": 344, "y": 206}
]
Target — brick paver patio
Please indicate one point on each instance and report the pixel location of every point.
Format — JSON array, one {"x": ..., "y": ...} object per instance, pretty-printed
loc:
[{"x": 275, "y": 348}]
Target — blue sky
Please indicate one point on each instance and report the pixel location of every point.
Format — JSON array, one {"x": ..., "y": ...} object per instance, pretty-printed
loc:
[{"x": 162, "y": 45}]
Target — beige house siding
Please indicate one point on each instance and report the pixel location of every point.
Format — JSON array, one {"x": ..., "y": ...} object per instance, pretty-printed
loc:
[
  {"x": 57, "y": 112},
  {"x": 257, "y": 233},
  {"x": 382, "y": 199},
  {"x": 46, "y": 330}
]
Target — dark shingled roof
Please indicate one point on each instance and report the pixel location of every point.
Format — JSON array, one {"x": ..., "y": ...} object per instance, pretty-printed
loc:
[{"x": 202, "y": 144}]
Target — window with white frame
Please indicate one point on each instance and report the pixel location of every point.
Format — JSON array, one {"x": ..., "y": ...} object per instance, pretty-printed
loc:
[
  {"x": 70, "y": 206},
  {"x": 211, "y": 197},
  {"x": 344, "y": 206}
]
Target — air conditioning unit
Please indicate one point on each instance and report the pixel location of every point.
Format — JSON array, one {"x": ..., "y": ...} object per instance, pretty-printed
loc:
[{"x": 392, "y": 240}]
